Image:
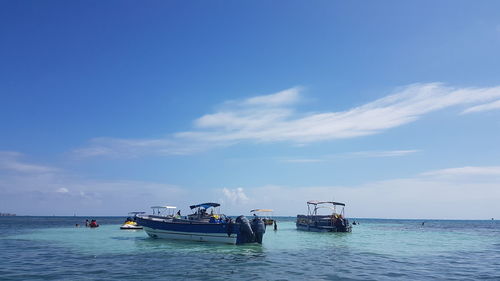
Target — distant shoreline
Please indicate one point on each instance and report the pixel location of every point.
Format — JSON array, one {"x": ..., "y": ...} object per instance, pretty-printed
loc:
[{"x": 278, "y": 217}]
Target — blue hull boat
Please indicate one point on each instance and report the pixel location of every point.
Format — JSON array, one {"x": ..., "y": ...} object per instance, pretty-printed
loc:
[{"x": 204, "y": 227}]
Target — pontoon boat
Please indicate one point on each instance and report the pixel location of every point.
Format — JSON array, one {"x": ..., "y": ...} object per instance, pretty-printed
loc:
[{"x": 334, "y": 222}]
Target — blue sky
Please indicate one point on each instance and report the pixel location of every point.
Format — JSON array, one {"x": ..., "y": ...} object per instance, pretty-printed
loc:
[{"x": 392, "y": 107}]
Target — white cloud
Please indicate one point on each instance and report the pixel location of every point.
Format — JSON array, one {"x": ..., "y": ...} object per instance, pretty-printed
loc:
[
  {"x": 62, "y": 190},
  {"x": 483, "y": 107},
  {"x": 235, "y": 196},
  {"x": 271, "y": 118}
]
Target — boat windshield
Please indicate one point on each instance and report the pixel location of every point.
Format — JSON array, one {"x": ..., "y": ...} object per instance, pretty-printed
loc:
[{"x": 163, "y": 210}]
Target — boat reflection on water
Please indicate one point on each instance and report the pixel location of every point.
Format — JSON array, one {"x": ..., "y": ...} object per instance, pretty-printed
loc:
[
  {"x": 334, "y": 222},
  {"x": 204, "y": 224}
]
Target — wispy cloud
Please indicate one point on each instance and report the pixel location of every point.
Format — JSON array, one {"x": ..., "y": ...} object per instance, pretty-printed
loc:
[
  {"x": 466, "y": 171},
  {"x": 378, "y": 153},
  {"x": 283, "y": 98},
  {"x": 11, "y": 161},
  {"x": 274, "y": 118},
  {"x": 130, "y": 148},
  {"x": 303, "y": 160},
  {"x": 62, "y": 190},
  {"x": 483, "y": 107},
  {"x": 356, "y": 154},
  {"x": 35, "y": 189}
]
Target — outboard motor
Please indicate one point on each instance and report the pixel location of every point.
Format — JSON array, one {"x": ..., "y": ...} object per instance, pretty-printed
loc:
[
  {"x": 230, "y": 226},
  {"x": 339, "y": 225},
  {"x": 246, "y": 234},
  {"x": 259, "y": 228}
]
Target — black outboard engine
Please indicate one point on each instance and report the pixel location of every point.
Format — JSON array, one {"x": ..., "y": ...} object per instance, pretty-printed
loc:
[
  {"x": 259, "y": 228},
  {"x": 246, "y": 234}
]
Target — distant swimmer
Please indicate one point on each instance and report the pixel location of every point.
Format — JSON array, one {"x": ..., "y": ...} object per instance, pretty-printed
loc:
[
  {"x": 275, "y": 226},
  {"x": 423, "y": 223}
]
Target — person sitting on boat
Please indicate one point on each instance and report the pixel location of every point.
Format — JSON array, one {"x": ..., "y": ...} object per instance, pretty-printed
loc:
[
  {"x": 339, "y": 223},
  {"x": 212, "y": 219}
]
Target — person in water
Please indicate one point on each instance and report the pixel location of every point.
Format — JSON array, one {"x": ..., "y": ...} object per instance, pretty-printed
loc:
[
  {"x": 275, "y": 226},
  {"x": 86, "y": 223}
]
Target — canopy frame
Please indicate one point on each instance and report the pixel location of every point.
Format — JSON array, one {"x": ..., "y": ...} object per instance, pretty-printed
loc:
[
  {"x": 157, "y": 210},
  {"x": 205, "y": 205},
  {"x": 314, "y": 205},
  {"x": 262, "y": 210}
]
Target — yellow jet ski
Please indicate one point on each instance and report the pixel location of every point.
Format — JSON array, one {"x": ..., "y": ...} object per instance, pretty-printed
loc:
[{"x": 130, "y": 222}]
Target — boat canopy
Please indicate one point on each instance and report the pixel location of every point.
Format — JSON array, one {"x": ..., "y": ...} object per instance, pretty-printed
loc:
[
  {"x": 163, "y": 207},
  {"x": 315, "y": 202},
  {"x": 205, "y": 205},
  {"x": 261, "y": 210}
]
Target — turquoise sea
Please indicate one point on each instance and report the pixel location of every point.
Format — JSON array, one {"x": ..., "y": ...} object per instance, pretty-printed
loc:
[{"x": 52, "y": 248}]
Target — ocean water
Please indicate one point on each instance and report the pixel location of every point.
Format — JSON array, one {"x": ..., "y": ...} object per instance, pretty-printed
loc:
[{"x": 52, "y": 248}]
